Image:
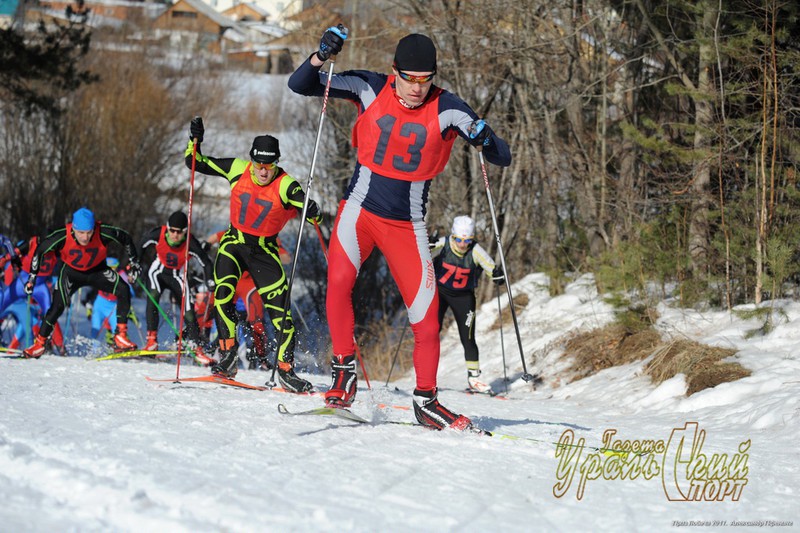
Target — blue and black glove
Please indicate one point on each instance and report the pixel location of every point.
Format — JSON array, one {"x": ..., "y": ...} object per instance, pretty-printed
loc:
[
  {"x": 480, "y": 134},
  {"x": 331, "y": 42}
]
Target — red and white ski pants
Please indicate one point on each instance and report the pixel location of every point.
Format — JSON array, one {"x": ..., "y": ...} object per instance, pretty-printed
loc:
[{"x": 404, "y": 244}]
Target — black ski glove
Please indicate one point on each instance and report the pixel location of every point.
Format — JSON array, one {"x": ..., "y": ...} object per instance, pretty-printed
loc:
[
  {"x": 134, "y": 269},
  {"x": 313, "y": 213},
  {"x": 196, "y": 129},
  {"x": 498, "y": 276}
]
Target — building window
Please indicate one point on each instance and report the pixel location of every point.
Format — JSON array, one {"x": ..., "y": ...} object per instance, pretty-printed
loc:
[{"x": 184, "y": 15}]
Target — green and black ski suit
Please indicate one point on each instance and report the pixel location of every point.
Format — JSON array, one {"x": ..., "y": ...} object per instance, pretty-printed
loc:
[{"x": 258, "y": 213}]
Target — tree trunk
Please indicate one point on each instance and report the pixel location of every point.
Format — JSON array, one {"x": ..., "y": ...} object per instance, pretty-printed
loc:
[{"x": 701, "y": 179}]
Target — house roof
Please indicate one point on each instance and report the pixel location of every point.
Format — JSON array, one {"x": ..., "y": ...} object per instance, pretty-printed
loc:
[
  {"x": 251, "y": 5},
  {"x": 208, "y": 11},
  {"x": 265, "y": 28},
  {"x": 92, "y": 21}
]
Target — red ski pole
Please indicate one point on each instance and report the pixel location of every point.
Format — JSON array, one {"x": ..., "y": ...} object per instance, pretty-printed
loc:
[{"x": 185, "y": 297}]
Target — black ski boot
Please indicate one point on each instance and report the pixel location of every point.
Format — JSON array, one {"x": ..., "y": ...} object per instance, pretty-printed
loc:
[
  {"x": 345, "y": 381},
  {"x": 291, "y": 381},
  {"x": 431, "y": 413},
  {"x": 227, "y": 365}
]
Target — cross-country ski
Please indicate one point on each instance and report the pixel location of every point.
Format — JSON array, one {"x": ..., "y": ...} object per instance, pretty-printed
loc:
[{"x": 220, "y": 380}]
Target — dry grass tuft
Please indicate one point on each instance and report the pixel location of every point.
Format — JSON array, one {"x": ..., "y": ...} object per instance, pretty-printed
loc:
[
  {"x": 700, "y": 363},
  {"x": 379, "y": 353},
  {"x": 609, "y": 346},
  {"x": 615, "y": 345}
]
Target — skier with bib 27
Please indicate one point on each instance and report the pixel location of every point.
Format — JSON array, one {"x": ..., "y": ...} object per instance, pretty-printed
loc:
[{"x": 82, "y": 246}]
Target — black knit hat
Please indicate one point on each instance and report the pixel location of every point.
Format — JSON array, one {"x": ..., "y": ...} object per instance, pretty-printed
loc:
[
  {"x": 415, "y": 53},
  {"x": 178, "y": 220},
  {"x": 265, "y": 149}
]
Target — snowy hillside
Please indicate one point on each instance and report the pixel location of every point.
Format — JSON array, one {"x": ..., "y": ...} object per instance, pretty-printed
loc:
[{"x": 94, "y": 446}]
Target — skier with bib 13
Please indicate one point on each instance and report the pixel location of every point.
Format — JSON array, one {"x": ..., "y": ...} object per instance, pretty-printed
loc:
[{"x": 404, "y": 133}]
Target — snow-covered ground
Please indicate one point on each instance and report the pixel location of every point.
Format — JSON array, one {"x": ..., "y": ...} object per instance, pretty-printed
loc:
[{"x": 94, "y": 446}]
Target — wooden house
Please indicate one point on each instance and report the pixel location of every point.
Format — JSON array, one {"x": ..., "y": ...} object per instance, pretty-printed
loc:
[
  {"x": 247, "y": 12},
  {"x": 195, "y": 25}
]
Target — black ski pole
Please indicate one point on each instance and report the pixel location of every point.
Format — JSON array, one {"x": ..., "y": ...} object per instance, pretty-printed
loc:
[
  {"x": 502, "y": 343},
  {"x": 525, "y": 375},
  {"x": 396, "y": 352}
]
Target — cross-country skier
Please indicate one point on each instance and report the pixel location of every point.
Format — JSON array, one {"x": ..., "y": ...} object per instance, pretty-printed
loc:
[
  {"x": 82, "y": 247},
  {"x": 6, "y": 269},
  {"x": 163, "y": 252},
  {"x": 459, "y": 261},
  {"x": 21, "y": 255},
  {"x": 263, "y": 199},
  {"x": 404, "y": 132}
]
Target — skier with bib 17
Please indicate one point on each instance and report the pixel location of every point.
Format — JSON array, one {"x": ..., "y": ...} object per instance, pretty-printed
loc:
[
  {"x": 404, "y": 133},
  {"x": 263, "y": 199}
]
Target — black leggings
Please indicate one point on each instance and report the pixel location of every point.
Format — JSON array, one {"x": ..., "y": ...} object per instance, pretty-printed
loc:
[
  {"x": 463, "y": 305},
  {"x": 161, "y": 279},
  {"x": 70, "y": 280},
  {"x": 259, "y": 256}
]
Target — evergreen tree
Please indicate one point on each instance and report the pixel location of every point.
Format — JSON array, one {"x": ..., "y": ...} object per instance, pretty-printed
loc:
[{"x": 39, "y": 67}]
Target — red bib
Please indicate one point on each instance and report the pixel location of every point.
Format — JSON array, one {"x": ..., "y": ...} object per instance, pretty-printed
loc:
[
  {"x": 49, "y": 260},
  {"x": 258, "y": 210},
  {"x": 402, "y": 143},
  {"x": 171, "y": 257},
  {"x": 83, "y": 258}
]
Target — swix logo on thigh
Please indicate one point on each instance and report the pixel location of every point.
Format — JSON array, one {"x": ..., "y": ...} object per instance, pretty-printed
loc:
[{"x": 430, "y": 275}]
